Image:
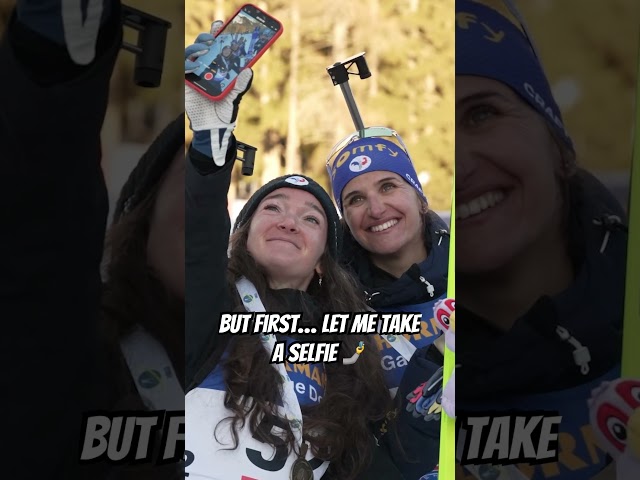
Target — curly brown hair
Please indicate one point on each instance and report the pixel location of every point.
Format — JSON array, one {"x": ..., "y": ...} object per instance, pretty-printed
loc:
[
  {"x": 355, "y": 396},
  {"x": 133, "y": 294}
]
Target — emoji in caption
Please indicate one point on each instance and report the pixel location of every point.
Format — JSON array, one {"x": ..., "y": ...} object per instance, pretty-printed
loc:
[{"x": 354, "y": 358}]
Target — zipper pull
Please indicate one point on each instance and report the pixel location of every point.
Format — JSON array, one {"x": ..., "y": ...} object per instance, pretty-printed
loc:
[
  {"x": 442, "y": 232},
  {"x": 414, "y": 274},
  {"x": 369, "y": 296},
  {"x": 430, "y": 289}
]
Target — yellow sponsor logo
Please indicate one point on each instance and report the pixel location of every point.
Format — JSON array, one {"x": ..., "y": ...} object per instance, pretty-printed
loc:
[
  {"x": 465, "y": 20},
  {"x": 359, "y": 150},
  {"x": 313, "y": 372}
]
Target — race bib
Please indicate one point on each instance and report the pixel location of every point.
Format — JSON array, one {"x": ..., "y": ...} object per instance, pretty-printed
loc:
[
  {"x": 207, "y": 448},
  {"x": 393, "y": 362},
  {"x": 208, "y": 453},
  {"x": 579, "y": 455}
]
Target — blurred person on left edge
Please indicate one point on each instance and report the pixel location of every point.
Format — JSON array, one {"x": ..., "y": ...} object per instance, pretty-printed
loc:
[
  {"x": 53, "y": 98},
  {"x": 80, "y": 332}
]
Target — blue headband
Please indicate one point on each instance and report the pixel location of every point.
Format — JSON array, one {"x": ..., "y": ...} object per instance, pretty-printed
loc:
[
  {"x": 370, "y": 155},
  {"x": 490, "y": 45}
]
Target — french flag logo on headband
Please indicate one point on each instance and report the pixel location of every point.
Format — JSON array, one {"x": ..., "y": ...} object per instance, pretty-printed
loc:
[{"x": 360, "y": 163}]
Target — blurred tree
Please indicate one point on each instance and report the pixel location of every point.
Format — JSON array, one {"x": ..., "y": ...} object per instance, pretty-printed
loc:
[
  {"x": 293, "y": 110},
  {"x": 292, "y": 153},
  {"x": 6, "y": 6},
  {"x": 148, "y": 110}
]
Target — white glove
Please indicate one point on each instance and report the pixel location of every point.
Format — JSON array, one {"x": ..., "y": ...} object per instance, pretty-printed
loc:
[{"x": 216, "y": 117}]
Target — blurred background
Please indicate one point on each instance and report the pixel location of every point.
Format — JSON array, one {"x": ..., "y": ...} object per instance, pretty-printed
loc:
[
  {"x": 293, "y": 113},
  {"x": 590, "y": 52},
  {"x": 136, "y": 114}
]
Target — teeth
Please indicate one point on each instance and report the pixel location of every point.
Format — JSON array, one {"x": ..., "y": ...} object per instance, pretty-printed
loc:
[
  {"x": 479, "y": 204},
  {"x": 384, "y": 226}
]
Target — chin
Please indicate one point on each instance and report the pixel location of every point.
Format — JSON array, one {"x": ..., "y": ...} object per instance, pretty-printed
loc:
[
  {"x": 385, "y": 249},
  {"x": 276, "y": 267},
  {"x": 481, "y": 261},
  {"x": 391, "y": 246}
]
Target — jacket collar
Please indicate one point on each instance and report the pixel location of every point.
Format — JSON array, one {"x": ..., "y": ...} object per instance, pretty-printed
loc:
[{"x": 422, "y": 282}]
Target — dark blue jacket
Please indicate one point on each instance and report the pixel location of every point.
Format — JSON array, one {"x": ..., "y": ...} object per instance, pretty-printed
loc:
[
  {"x": 530, "y": 367},
  {"x": 416, "y": 290},
  {"x": 53, "y": 214}
]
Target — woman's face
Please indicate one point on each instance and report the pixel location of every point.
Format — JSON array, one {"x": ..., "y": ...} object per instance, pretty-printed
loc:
[
  {"x": 165, "y": 245},
  {"x": 287, "y": 237},
  {"x": 226, "y": 51},
  {"x": 507, "y": 164},
  {"x": 383, "y": 213}
]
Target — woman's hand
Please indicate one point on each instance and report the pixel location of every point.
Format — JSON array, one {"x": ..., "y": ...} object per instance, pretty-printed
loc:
[{"x": 212, "y": 122}]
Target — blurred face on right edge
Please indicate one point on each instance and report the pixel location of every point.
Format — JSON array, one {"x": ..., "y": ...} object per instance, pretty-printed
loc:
[{"x": 508, "y": 197}]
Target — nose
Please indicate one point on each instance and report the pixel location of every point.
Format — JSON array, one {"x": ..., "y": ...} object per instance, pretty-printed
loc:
[
  {"x": 376, "y": 206},
  {"x": 466, "y": 162},
  {"x": 288, "y": 223}
]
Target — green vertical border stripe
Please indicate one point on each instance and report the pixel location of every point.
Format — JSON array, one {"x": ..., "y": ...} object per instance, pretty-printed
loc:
[
  {"x": 446, "y": 469},
  {"x": 631, "y": 337}
]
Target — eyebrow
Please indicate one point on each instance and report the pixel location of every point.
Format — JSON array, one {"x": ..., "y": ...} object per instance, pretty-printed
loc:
[
  {"x": 483, "y": 95},
  {"x": 358, "y": 192},
  {"x": 286, "y": 197}
]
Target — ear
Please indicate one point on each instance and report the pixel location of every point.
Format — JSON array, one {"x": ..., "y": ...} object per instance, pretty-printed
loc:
[
  {"x": 318, "y": 269},
  {"x": 422, "y": 205}
]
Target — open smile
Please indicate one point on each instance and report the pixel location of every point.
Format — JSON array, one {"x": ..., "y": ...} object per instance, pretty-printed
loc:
[
  {"x": 479, "y": 204},
  {"x": 383, "y": 226}
]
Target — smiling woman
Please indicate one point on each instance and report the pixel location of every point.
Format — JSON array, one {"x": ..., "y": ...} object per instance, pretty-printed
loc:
[
  {"x": 540, "y": 243},
  {"x": 287, "y": 237},
  {"x": 509, "y": 178},
  {"x": 246, "y": 416},
  {"x": 384, "y": 214},
  {"x": 399, "y": 250}
]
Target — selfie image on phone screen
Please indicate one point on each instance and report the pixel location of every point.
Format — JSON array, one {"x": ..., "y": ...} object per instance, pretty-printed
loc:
[{"x": 241, "y": 40}]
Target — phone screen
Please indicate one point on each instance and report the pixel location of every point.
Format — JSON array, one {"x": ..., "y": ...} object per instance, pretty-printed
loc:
[{"x": 240, "y": 41}]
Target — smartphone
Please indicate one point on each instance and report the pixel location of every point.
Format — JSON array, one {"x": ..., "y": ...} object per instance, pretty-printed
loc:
[{"x": 238, "y": 45}]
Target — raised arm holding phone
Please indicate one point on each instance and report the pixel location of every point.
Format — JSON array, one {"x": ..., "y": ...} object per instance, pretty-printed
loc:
[
  {"x": 284, "y": 249},
  {"x": 54, "y": 83}
]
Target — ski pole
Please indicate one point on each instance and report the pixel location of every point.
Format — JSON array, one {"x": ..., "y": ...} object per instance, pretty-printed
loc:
[{"x": 339, "y": 73}]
